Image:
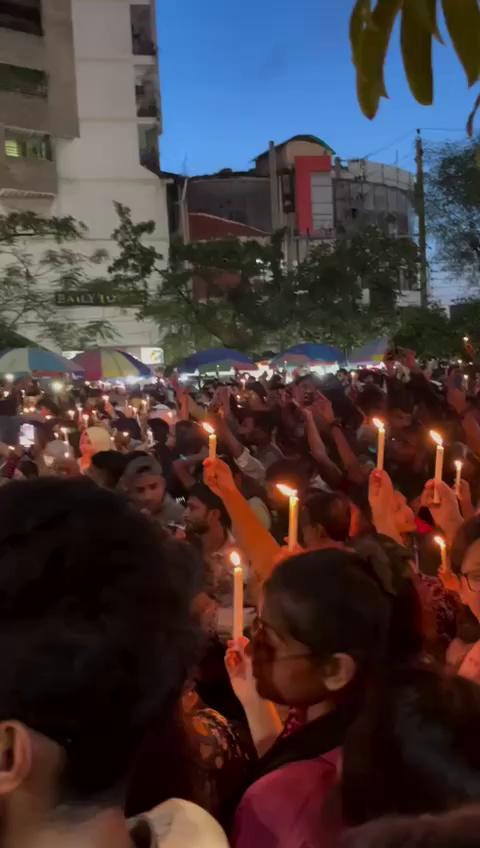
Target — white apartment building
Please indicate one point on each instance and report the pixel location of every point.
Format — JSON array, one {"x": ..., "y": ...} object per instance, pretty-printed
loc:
[{"x": 80, "y": 116}]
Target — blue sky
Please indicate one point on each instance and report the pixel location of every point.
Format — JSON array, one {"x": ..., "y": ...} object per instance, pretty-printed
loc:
[{"x": 237, "y": 73}]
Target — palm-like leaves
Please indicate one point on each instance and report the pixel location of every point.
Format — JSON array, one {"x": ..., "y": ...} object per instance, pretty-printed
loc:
[{"x": 371, "y": 28}]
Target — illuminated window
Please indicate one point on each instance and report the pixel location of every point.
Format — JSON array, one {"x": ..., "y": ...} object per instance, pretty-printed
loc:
[{"x": 22, "y": 145}]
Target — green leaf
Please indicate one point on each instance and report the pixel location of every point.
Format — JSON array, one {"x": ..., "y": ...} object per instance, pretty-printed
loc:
[
  {"x": 417, "y": 54},
  {"x": 426, "y": 13},
  {"x": 372, "y": 52},
  {"x": 358, "y": 20},
  {"x": 463, "y": 22}
]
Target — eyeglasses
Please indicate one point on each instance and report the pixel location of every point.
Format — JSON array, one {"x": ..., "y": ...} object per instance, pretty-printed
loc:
[
  {"x": 259, "y": 628},
  {"x": 472, "y": 580}
]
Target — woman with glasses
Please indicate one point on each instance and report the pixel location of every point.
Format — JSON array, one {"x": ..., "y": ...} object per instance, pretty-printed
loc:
[{"x": 322, "y": 630}]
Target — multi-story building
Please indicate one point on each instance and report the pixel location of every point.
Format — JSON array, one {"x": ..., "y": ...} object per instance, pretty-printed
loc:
[
  {"x": 302, "y": 186},
  {"x": 80, "y": 117}
]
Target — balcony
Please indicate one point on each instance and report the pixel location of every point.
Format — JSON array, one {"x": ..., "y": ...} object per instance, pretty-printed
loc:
[
  {"x": 27, "y": 178},
  {"x": 143, "y": 41}
]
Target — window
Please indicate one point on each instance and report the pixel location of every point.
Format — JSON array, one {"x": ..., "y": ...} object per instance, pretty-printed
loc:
[
  {"x": 23, "y": 80},
  {"x": 22, "y": 145},
  {"x": 143, "y": 43},
  {"x": 148, "y": 144},
  {"x": 146, "y": 91},
  {"x": 21, "y": 15}
]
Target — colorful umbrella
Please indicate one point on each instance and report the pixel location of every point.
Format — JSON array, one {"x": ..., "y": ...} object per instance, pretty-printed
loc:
[
  {"x": 370, "y": 353},
  {"x": 307, "y": 355},
  {"x": 104, "y": 363},
  {"x": 35, "y": 360},
  {"x": 216, "y": 359}
]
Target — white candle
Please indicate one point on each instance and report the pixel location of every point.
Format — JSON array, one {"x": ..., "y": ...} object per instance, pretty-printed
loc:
[
  {"x": 212, "y": 440},
  {"x": 443, "y": 551},
  {"x": 294, "y": 505},
  {"x": 71, "y": 414},
  {"x": 237, "y": 631},
  {"x": 438, "y": 464},
  {"x": 64, "y": 432},
  {"x": 465, "y": 382},
  {"x": 458, "y": 477},
  {"x": 380, "y": 425},
  {"x": 85, "y": 420}
]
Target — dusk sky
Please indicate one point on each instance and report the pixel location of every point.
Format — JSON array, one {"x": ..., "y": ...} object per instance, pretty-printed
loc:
[{"x": 236, "y": 74}]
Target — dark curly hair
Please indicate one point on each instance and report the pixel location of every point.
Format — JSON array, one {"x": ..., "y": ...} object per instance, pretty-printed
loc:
[{"x": 95, "y": 634}]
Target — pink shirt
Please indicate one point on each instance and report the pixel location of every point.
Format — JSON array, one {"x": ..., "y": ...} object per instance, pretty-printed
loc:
[{"x": 285, "y": 809}]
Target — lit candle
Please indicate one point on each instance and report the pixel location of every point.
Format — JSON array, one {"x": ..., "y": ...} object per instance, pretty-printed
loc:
[
  {"x": 71, "y": 414},
  {"x": 440, "y": 541},
  {"x": 465, "y": 382},
  {"x": 237, "y": 595},
  {"x": 85, "y": 421},
  {"x": 64, "y": 433},
  {"x": 294, "y": 502},
  {"x": 458, "y": 477},
  {"x": 380, "y": 425},
  {"x": 438, "y": 464},
  {"x": 212, "y": 440}
]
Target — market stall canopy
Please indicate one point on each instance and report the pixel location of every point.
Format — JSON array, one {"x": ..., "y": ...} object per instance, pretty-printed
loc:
[
  {"x": 371, "y": 353},
  {"x": 36, "y": 361},
  {"x": 216, "y": 359},
  {"x": 103, "y": 363},
  {"x": 308, "y": 355}
]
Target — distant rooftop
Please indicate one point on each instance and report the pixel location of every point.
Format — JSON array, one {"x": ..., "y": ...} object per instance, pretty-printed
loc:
[{"x": 311, "y": 139}]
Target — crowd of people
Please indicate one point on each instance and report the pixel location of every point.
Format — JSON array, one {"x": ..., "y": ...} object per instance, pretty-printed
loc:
[{"x": 132, "y": 715}]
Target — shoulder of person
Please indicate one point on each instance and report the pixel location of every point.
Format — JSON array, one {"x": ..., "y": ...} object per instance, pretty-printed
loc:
[
  {"x": 470, "y": 667},
  {"x": 290, "y": 786},
  {"x": 181, "y": 824}
]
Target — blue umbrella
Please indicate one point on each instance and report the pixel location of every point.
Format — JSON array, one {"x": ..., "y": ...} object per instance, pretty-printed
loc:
[
  {"x": 221, "y": 358},
  {"x": 36, "y": 360},
  {"x": 369, "y": 353}
]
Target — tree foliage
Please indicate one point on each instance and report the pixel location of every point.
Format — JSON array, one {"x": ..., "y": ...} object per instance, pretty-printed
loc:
[
  {"x": 371, "y": 27},
  {"x": 241, "y": 294},
  {"x": 453, "y": 206},
  {"x": 31, "y": 274}
]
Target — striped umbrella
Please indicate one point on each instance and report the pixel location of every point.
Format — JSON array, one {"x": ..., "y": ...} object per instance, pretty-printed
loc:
[
  {"x": 307, "y": 355},
  {"x": 36, "y": 361},
  {"x": 104, "y": 363},
  {"x": 217, "y": 358},
  {"x": 370, "y": 353}
]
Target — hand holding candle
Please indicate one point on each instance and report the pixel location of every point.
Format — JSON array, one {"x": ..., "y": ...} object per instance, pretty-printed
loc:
[
  {"x": 438, "y": 463},
  {"x": 212, "y": 440},
  {"x": 237, "y": 632},
  {"x": 380, "y": 425},
  {"x": 292, "y": 494}
]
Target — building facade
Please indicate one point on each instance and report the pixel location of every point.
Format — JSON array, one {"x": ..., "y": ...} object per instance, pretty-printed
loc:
[
  {"x": 316, "y": 197},
  {"x": 80, "y": 116}
]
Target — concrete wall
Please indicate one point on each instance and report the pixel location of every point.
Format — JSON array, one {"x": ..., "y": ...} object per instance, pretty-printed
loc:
[{"x": 102, "y": 165}]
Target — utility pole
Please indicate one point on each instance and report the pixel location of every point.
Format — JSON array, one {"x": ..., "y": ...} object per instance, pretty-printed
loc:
[
  {"x": 422, "y": 226},
  {"x": 272, "y": 167}
]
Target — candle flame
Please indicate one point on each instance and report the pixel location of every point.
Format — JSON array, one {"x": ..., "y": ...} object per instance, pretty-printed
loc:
[
  {"x": 436, "y": 438},
  {"x": 235, "y": 559},
  {"x": 125, "y": 435},
  {"x": 208, "y": 429},
  {"x": 440, "y": 541},
  {"x": 380, "y": 425},
  {"x": 287, "y": 491},
  {"x": 458, "y": 464}
]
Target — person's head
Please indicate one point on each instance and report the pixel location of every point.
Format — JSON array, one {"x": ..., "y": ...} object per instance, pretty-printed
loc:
[
  {"x": 326, "y": 516},
  {"x": 408, "y": 445},
  {"x": 107, "y": 468},
  {"x": 160, "y": 430},
  {"x": 457, "y": 829},
  {"x": 256, "y": 395},
  {"x": 95, "y": 643},
  {"x": 400, "y": 415},
  {"x": 144, "y": 482},
  {"x": 290, "y": 473},
  {"x": 414, "y": 748},
  {"x": 256, "y": 428},
  {"x": 372, "y": 401},
  {"x": 93, "y": 440},
  {"x": 322, "y": 623},
  {"x": 465, "y": 561},
  {"x": 205, "y": 512}
]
